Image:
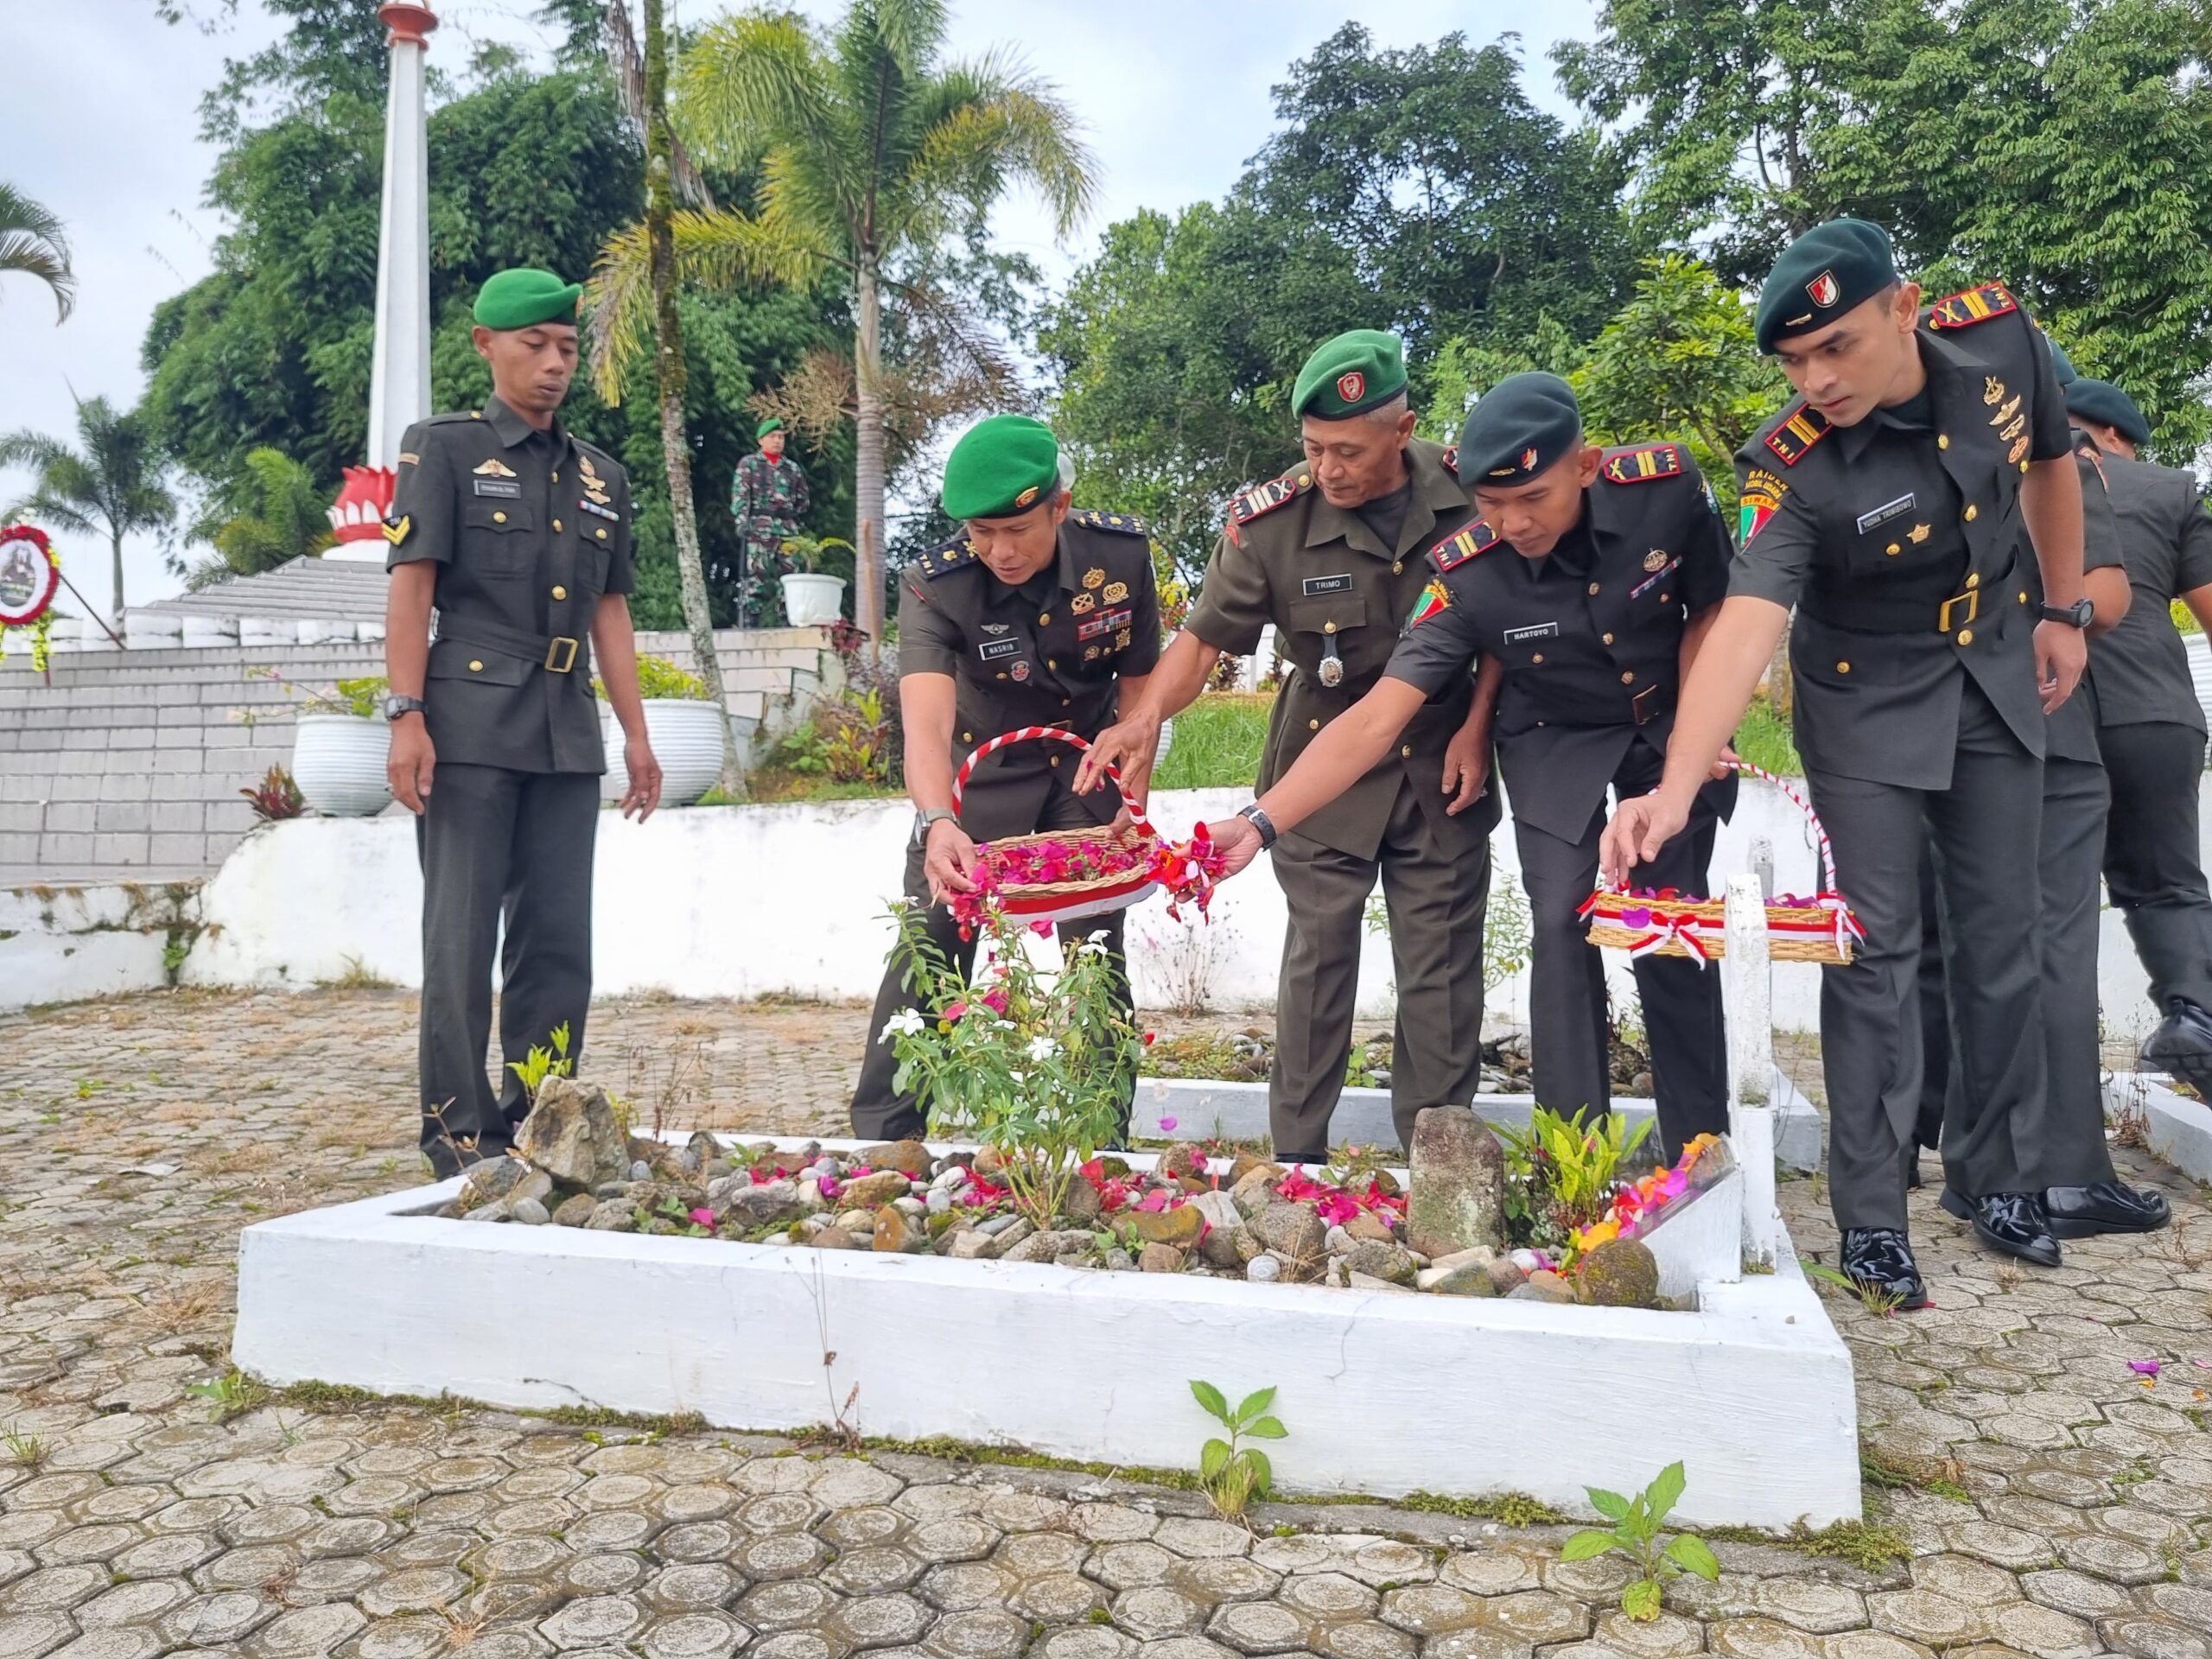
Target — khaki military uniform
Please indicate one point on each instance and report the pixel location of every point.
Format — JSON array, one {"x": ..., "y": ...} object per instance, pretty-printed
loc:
[
  {"x": 1336, "y": 594},
  {"x": 1049, "y": 652},
  {"x": 528, "y": 530}
]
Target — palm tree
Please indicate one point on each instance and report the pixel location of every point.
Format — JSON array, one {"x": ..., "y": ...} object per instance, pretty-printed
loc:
[
  {"x": 113, "y": 486},
  {"x": 273, "y": 513},
  {"x": 872, "y": 153},
  {"x": 32, "y": 242}
]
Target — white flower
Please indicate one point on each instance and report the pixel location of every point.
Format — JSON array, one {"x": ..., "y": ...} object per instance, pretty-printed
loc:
[
  {"x": 1042, "y": 1048},
  {"x": 1093, "y": 946},
  {"x": 905, "y": 1023}
]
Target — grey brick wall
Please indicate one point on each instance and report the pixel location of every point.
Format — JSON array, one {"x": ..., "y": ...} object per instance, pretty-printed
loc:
[{"x": 127, "y": 764}]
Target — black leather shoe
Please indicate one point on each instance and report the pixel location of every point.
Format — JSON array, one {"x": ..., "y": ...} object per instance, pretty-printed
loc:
[
  {"x": 1291, "y": 1158},
  {"x": 2104, "y": 1207},
  {"x": 2015, "y": 1223},
  {"x": 1881, "y": 1259},
  {"x": 2182, "y": 1045}
]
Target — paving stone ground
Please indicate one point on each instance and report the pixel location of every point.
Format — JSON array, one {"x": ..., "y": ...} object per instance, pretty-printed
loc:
[{"x": 2048, "y": 1500}]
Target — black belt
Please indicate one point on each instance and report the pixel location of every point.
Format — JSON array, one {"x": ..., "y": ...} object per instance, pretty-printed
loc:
[
  {"x": 1864, "y": 613},
  {"x": 557, "y": 653}
]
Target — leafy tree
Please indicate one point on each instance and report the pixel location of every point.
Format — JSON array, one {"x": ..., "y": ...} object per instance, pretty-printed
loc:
[
  {"x": 272, "y": 513},
  {"x": 111, "y": 486},
  {"x": 873, "y": 154},
  {"x": 34, "y": 244}
]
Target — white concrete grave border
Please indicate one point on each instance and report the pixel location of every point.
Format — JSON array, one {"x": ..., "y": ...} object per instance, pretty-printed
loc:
[
  {"x": 1384, "y": 1394},
  {"x": 2175, "y": 1128}
]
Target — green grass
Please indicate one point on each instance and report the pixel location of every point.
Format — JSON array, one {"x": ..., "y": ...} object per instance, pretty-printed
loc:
[
  {"x": 1763, "y": 738},
  {"x": 1218, "y": 742}
]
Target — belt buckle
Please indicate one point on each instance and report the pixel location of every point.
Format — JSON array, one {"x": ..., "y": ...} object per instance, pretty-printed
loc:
[
  {"x": 1971, "y": 599},
  {"x": 553, "y": 651},
  {"x": 1644, "y": 705}
]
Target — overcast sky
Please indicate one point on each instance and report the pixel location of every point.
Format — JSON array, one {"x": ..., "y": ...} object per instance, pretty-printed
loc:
[{"x": 1175, "y": 93}]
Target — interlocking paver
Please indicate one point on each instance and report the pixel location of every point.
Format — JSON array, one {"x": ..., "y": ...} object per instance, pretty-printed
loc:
[{"x": 402, "y": 1532}]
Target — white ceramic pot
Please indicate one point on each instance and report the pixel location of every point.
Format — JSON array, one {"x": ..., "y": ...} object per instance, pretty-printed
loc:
[
  {"x": 687, "y": 739},
  {"x": 338, "y": 760},
  {"x": 809, "y": 600}
]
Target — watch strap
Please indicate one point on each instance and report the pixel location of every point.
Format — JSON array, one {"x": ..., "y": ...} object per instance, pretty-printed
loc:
[
  {"x": 1258, "y": 820},
  {"x": 937, "y": 815}
]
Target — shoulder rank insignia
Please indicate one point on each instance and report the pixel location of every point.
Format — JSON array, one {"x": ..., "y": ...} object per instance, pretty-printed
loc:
[
  {"x": 948, "y": 556},
  {"x": 1643, "y": 464},
  {"x": 495, "y": 468},
  {"x": 1262, "y": 498},
  {"x": 1123, "y": 524},
  {"x": 1461, "y": 545},
  {"x": 1802, "y": 429},
  {"x": 1975, "y": 305},
  {"x": 394, "y": 530}
]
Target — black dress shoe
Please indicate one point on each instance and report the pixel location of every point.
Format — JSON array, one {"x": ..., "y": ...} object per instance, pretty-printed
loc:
[
  {"x": 2015, "y": 1223},
  {"x": 2182, "y": 1045},
  {"x": 2104, "y": 1207},
  {"x": 1880, "y": 1259}
]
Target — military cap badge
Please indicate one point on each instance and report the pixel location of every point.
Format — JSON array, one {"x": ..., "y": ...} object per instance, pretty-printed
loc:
[
  {"x": 1824, "y": 290},
  {"x": 1351, "y": 385}
]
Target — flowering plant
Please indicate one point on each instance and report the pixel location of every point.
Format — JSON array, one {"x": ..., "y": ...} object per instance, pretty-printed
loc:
[
  {"x": 1560, "y": 1172},
  {"x": 1636, "y": 1204},
  {"x": 1038, "y": 1066}
]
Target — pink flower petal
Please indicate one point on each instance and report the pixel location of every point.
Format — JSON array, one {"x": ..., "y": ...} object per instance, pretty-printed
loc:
[
  {"x": 1166, "y": 1126},
  {"x": 2144, "y": 1367}
]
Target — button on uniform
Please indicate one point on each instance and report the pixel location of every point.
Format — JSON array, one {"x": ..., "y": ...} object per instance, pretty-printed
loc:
[{"x": 559, "y": 592}]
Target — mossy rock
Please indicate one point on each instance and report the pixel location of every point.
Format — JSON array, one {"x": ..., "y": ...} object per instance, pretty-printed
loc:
[{"x": 1619, "y": 1273}]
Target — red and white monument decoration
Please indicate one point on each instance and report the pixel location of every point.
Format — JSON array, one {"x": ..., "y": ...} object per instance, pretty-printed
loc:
[{"x": 399, "y": 376}]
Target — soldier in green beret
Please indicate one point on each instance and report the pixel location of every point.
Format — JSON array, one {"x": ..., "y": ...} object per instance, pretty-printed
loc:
[
  {"x": 1897, "y": 503},
  {"x": 2151, "y": 728},
  {"x": 767, "y": 497},
  {"x": 1034, "y": 614},
  {"x": 517, "y": 533},
  {"x": 1330, "y": 553}
]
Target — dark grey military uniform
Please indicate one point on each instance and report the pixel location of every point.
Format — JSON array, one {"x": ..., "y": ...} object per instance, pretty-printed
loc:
[
  {"x": 2151, "y": 732},
  {"x": 1902, "y": 543},
  {"x": 1336, "y": 591},
  {"x": 528, "y": 530},
  {"x": 2066, "y": 1125},
  {"x": 1049, "y": 652},
  {"x": 1591, "y": 639}
]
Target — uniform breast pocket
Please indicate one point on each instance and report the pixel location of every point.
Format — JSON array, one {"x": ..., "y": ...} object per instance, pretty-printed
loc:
[
  {"x": 596, "y": 551},
  {"x": 497, "y": 537},
  {"x": 1328, "y": 614}
]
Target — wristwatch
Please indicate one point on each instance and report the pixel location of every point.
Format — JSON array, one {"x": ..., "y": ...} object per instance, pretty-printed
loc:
[
  {"x": 937, "y": 815},
  {"x": 2076, "y": 615},
  {"x": 1260, "y": 821},
  {"x": 396, "y": 705}
]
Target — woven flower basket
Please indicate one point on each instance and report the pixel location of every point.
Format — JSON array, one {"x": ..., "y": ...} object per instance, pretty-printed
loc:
[
  {"x": 1820, "y": 929},
  {"x": 1010, "y": 866}
]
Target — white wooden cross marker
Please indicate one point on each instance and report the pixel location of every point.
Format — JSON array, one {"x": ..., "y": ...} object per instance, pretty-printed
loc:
[{"x": 1746, "y": 990}]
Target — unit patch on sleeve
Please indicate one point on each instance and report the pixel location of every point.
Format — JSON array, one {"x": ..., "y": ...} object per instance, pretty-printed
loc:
[
  {"x": 1461, "y": 545},
  {"x": 1434, "y": 599},
  {"x": 1640, "y": 465},
  {"x": 1975, "y": 305},
  {"x": 1763, "y": 493}
]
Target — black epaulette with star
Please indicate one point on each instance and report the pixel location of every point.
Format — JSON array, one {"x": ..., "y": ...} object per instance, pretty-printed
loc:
[
  {"x": 1263, "y": 499},
  {"x": 458, "y": 415},
  {"x": 1798, "y": 431},
  {"x": 1462, "y": 544},
  {"x": 1119, "y": 523},
  {"x": 947, "y": 555},
  {"x": 1643, "y": 463},
  {"x": 1973, "y": 305}
]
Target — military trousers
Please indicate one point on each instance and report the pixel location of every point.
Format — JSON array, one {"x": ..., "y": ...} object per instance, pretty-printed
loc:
[
  {"x": 1436, "y": 898},
  {"x": 499, "y": 849},
  {"x": 1983, "y": 830},
  {"x": 1570, "y": 1041},
  {"x": 2151, "y": 864},
  {"x": 880, "y": 1112},
  {"x": 2066, "y": 1126}
]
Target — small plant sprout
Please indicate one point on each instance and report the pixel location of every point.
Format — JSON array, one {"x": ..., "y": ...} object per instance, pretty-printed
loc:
[
  {"x": 1234, "y": 1474},
  {"x": 1635, "y": 1533},
  {"x": 26, "y": 1450},
  {"x": 545, "y": 1063},
  {"x": 229, "y": 1394}
]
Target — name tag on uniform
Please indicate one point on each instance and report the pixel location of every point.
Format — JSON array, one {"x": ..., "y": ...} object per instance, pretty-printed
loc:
[
  {"x": 1316, "y": 586},
  {"x": 1535, "y": 631},
  {"x": 1105, "y": 622},
  {"x": 608, "y": 513},
  {"x": 500, "y": 486},
  {"x": 1883, "y": 514},
  {"x": 991, "y": 649}
]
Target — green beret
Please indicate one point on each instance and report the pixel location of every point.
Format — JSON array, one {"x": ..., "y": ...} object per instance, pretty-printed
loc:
[
  {"x": 2107, "y": 404},
  {"x": 2060, "y": 364},
  {"x": 1521, "y": 427},
  {"x": 522, "y": 298},
  {"x": 772, "y": 425},
  {"x": 1824, "y": 273},
  {"x": 1349, "y": 375},
  {"x": 1001, "y": 466}
]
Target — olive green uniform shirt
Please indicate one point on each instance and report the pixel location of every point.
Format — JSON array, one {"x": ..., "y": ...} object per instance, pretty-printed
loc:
[{"x": 528, "y": 530}]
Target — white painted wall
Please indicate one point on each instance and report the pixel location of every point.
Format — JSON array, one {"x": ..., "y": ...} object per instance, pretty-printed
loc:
[
  {"x": 66, "y": 943},
  {"x": 744, "y": 901}
]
